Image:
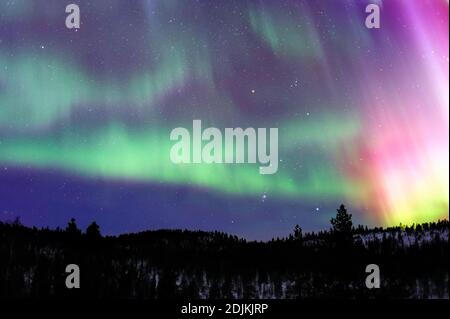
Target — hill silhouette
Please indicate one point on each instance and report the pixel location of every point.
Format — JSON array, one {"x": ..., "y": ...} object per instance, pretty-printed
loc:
[{"x": 413, "y": 262}]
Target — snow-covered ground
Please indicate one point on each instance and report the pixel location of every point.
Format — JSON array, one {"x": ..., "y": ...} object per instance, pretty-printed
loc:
[{"x": 405, "y": 238}]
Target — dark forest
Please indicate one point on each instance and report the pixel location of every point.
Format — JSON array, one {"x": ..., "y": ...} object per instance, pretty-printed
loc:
[{"x": 413, "y": 262}]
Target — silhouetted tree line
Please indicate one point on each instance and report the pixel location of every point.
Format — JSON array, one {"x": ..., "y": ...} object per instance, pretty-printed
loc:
[{"x": 195, "y": 264}]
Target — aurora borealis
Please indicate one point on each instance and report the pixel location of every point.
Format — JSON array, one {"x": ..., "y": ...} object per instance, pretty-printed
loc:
[{"x": 85, "y": 115}]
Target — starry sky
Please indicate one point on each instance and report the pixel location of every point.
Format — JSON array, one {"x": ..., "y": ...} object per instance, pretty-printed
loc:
[{"x": 86, "y": 114}]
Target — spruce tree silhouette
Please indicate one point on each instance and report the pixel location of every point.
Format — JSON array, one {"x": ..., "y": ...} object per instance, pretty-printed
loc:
[
  {"x": 72, "y": 228},
  {"x": 342, "y": 226},
  {"x": 17, "y": 222},
  {"x": 298, "y": 233},
  {"x": 93, "y": 231},
  {"x": 343, "y": 221}
]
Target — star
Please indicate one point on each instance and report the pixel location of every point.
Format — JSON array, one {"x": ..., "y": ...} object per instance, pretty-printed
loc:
[
  {"x": 295, "y": 84},
  {"x": 263, "y": 197}
]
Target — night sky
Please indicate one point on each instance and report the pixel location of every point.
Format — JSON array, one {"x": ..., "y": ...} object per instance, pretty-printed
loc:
[{"x": 86, "y": 114}]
